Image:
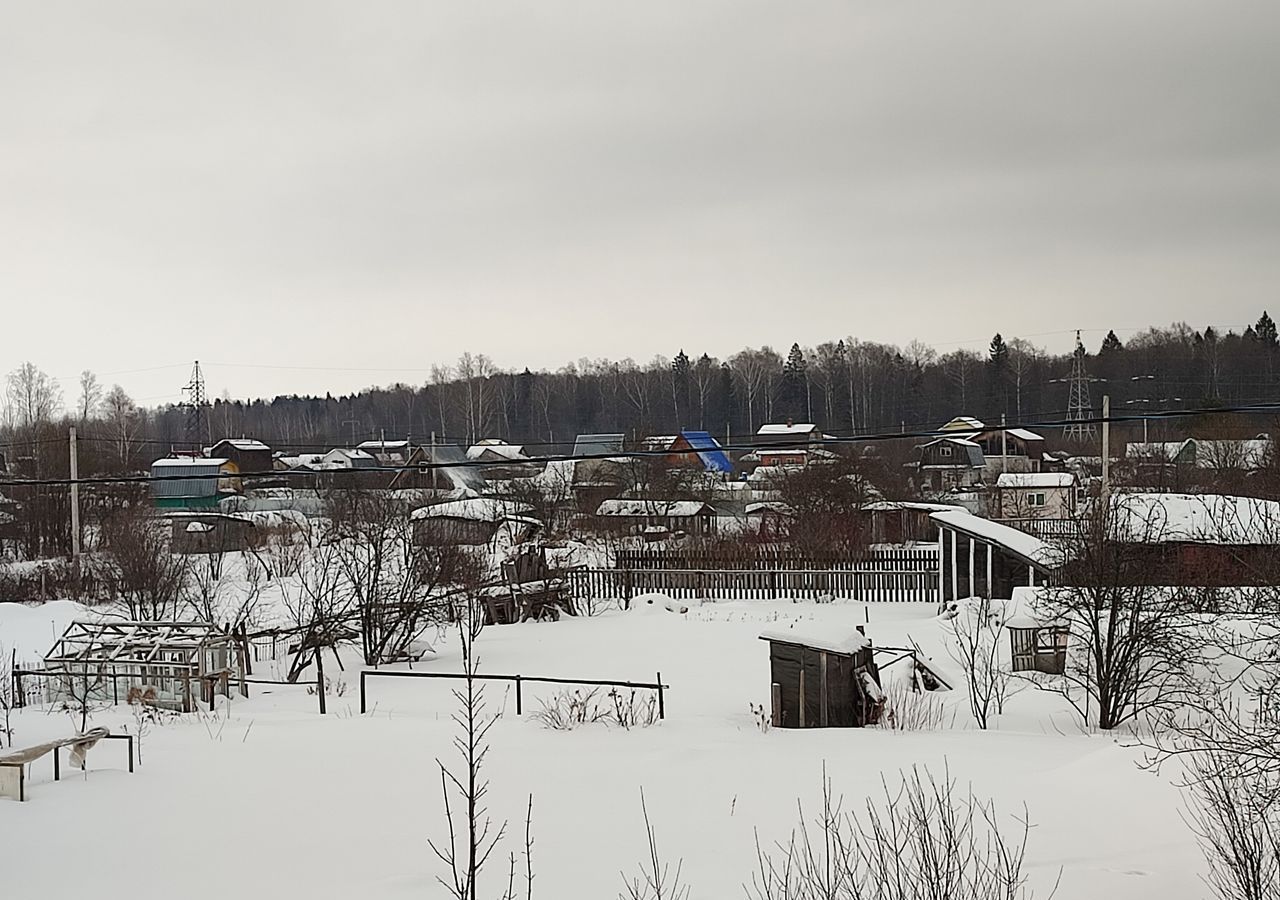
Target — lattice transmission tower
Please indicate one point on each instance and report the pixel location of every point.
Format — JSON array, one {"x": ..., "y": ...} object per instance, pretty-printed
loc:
[
  {"x": 197, "y": 406},
  {"x": 1079, "y": 408}
]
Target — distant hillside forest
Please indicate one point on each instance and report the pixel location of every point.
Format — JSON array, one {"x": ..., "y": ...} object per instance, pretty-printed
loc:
[{"x": 845, "y": 386}]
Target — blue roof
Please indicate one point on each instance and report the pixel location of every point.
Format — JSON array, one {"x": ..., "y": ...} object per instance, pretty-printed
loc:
[{"x": 709, "y": 451}]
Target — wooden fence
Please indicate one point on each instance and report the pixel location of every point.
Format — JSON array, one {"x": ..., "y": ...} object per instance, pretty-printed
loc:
[
  {"x": 883, "y": 585},
  {"x": 775, "y": 558},
  {"x": 1049, "y": 530}
]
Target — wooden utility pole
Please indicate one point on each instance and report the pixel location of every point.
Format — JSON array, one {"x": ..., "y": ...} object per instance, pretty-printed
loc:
[
  {"x": 1106, "y": 449},
  {"x": 75, "y": 503}
]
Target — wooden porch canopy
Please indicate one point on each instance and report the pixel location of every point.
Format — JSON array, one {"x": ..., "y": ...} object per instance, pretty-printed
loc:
[{"x": 981, "y": 558}]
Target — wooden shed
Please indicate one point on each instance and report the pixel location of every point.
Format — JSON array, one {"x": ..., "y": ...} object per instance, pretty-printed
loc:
[
  {"x": 198, "y": 532},
  {"x": 1037, "y": 646},
  {"x": 823, "y": 679}
]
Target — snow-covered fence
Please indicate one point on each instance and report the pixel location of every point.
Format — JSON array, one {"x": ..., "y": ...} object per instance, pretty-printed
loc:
[
  {"x": 1050, "y": 530},
  {"x": 780, "y": 558},
  {"x": 865, "y": 585},
  {"x": 270, "y": 646}
]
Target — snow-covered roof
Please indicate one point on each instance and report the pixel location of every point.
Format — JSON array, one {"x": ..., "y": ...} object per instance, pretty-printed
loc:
[
  {"x": 1025, "y": 546},
  {"x": 833, "y": 640},
  {"x": 301, "y": 460},
  {"x": 890, "y": 505},
  {"x": 793, "y": 452},
  {"x": 675, "y": 509},
  {"x": 190, "y": 462},
  {"x": 342, "y": 458},
  {"x": 378, "y": 445},
  {"x": 1151, "y": 518},
  {"x": 784, "y": 428},
  {"x": 963, "y": 423},
  {"x": 1036, "y": 480},
  {"x": 506, "y": 451},
  {"x": 1023, "y": 434},
  {"x": 244, "y": 444},
  {"x": 658, "y": 442},
  {"x": 476, "y": 509},
  {"x": 763, "y": 506}
]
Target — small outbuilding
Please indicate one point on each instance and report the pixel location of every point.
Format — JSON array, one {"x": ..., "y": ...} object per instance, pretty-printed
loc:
[
  {"x": 823, "y": 679},
  {"x": 196, "y": 532},
  {"x": 193, "y": 482},
  {"x": 171, "y": 664},
  {"x": 252, "y": 457},
  {"x": 981, "y": 558},
  {"x": 1037, "y": 646},
  {"x": 689, "y": 516},
  {"x": 473, "y": 522}
]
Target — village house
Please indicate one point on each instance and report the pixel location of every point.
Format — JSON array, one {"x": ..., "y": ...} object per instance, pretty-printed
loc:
[
  {"x": 1197, "y": 540},
  {"x": 1035, "y": 495},
  {"x": 595, "y": 474},
  {"x": 690, "y": 449},
  {"x": 789, "y": 444},
  {"x": 193, "y": 482},
  {"x": 1003, "y": 449},
  {"x": 250, "y": 456},
  {"x": 950, "y": 463},
  {"x": 387, "y": 453},
  {"x": 442, "y": 468},
  {"x": 500, "y": 460},
  {"x": 1193, "y": 461}
]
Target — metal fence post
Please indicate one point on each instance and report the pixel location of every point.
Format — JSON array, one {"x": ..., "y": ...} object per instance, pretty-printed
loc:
[
  {"x": 519, "y": 699},
  {"x": 662, "y": 707},
  {"x": 20, "y": 699},
  {"x": 362, "y": 695}
]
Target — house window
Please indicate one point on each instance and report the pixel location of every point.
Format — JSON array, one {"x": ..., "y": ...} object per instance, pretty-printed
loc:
[
  {"x": 944, "y": 450},
  {"x": 1035, "y": 499}
]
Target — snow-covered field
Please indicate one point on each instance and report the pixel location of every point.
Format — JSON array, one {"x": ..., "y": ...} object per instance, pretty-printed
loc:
[{"x": 269, "y": 799}]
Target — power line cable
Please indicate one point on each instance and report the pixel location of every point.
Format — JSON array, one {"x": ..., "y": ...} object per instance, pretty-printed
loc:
[{"x": 836, "y": 440}]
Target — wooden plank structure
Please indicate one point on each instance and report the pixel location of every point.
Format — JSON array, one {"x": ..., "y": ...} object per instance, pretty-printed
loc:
[
  {"x": 1037, "y": 646},
  {"x": 532, "y": 591},
  {"x": 181, "y": 662},
  {"x": 980, "y": 557},
  {"x": 778, "y": 557},
  {"x": 822, "y": 683},
  {"x": 867, "y": 585}
]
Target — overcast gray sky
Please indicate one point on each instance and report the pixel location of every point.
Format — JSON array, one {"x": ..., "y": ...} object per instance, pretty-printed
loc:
[{"x": 353, "y": 191}]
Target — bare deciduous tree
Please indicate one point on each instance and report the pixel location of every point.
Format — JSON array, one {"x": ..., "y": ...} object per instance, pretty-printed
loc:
[
  {"x": 977, "y": 634},
  {"x": 923, "y": 839},
  {"x": 140, "y": 571},
  {"x": 1133, "y": 646},
  {"x": 33, "y": 396}
]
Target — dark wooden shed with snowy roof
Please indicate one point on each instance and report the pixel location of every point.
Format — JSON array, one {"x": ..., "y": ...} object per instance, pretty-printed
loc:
[{"x": 823, "y": 679}]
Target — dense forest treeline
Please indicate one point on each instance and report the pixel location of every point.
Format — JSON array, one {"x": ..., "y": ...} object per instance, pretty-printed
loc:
[{"x": 845, "y": 386}]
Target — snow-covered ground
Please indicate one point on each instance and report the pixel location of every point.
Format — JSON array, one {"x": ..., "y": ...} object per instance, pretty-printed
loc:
[{"x": 269, "y": 799}]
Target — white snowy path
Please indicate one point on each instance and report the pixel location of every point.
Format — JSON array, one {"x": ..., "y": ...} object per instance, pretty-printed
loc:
[{"x": 273, "y": 800}]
